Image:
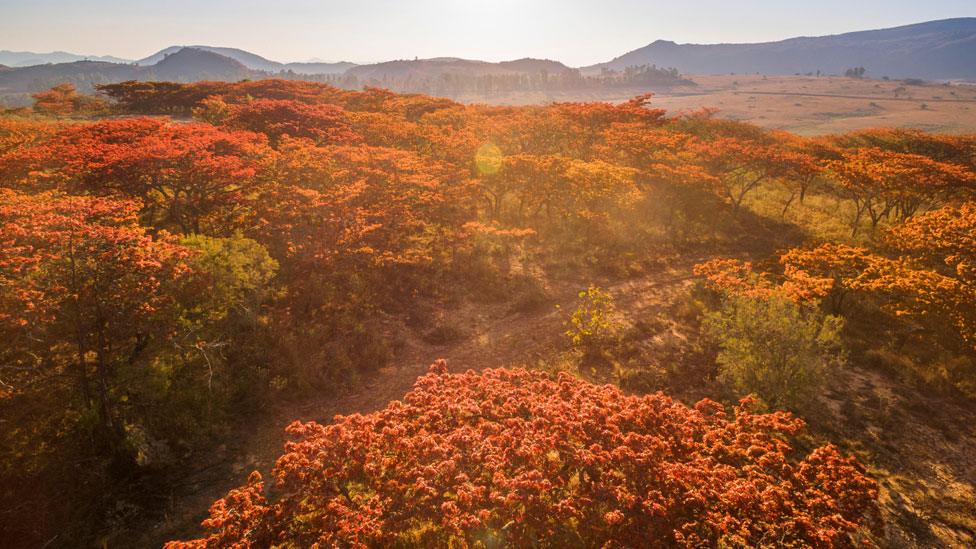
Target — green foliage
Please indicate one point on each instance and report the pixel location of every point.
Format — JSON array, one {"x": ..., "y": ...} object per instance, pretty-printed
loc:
[
  {"x": 237, "y": 271},
  {"x": 593, "y": 325},
  {"x": 225, "y": 347},
  {"x": 774, "y": 348}
]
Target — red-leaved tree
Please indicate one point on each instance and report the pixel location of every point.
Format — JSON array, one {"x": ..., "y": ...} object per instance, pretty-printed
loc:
[{"x": 519, "y": 458}]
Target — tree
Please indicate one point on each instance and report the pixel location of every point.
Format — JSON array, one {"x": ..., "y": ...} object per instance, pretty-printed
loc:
[
  {"x": 189, "y": 177},
  {"x": 64, "y": 100},
  {"x": 775, "y": 348},
  {"x": 882, "y": 183},
  {"x": 945, "y": 237},
  {"x": 516, "y": 458},
  {"x": 900, "y": 287},
  {"x": 85, "y": 292},
  {"x": 18, "y": 134},
  {"x": 734, "y": 278},
  {"x": 593, "y": 325},
  {"x": 279, "y": 117},
  {"x": 741, "y": 165},
  {"x": 87, "y": 303}
]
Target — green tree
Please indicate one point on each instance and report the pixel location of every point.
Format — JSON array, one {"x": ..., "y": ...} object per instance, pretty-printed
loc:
[
  {"x": 236, "y": 270},
  {"x": 774, "y": 347},
  {"x": 593, "y": 326}
]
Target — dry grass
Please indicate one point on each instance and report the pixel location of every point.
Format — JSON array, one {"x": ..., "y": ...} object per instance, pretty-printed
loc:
[
  {"x": 806, "y": 105},
  {"x": 811, "y": 105}
]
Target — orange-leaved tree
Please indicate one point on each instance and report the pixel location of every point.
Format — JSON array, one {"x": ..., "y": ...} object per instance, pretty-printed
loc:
[
  {"x": 189, "y": 177},
  {"x": 516, "y": 457},
  {"x": 85, "y": 292},
  {"x": 275, "y": 118}
]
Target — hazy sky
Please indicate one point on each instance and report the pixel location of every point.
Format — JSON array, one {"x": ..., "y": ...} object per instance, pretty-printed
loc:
[{"x": 573, "y": 31}]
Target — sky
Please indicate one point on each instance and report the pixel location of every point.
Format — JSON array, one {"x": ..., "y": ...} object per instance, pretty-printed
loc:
[{"x": 575, "y": 32}]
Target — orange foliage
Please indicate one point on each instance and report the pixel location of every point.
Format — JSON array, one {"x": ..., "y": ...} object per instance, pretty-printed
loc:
[
  {"x": 883, "y": 183},
  {"x": 946, "y": 235},
  {"x": 275, "y": 118},
  {"x": 189, "y": 177},
  {"x": 515, "y": 457}
]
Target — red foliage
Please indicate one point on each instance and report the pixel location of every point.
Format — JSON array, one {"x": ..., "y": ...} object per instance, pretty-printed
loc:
[
  {"x": 512, "y": 457},
  {"x": 279, "y": 117},
  {"x": 80, "y": 277},
  {"x": 61, "y": 252},
  {"x": 188, "y": 176}
]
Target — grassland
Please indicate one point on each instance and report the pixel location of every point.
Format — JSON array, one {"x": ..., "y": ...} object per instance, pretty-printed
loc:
[{"x": 806, "y": 105}]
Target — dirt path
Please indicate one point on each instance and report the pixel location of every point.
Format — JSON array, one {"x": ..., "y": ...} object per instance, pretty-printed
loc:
[{"x": 496, "y": 337}]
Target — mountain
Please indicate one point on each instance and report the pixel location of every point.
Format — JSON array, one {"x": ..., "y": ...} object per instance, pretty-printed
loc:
[
  {"x": 191, "y": 64},
  {"x": 434, "y": 68},
  {"x": 28, "y": 58},
  {"x": 245, "y": 58},
  {"x": 254, "y": 61},
  {"x": 937, "y": 50},
  {"x": 83, "y": 74},
  {"x": 184, "y": 65}
]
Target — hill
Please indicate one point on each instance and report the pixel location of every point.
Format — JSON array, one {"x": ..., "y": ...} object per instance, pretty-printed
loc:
[
  {"x": 83, "y": 74},
  {"x": 29, "y": 58},
  {"x": 253, "y": 61},
  {"x": 435, "y": 67},
  {"x": 177, "y": 64},
  {"x": 942, "y": 49},
  {"x": 245, "y": 58},
  {"x": 191, "y": 64},
  {"x": 184, "y": 65}
]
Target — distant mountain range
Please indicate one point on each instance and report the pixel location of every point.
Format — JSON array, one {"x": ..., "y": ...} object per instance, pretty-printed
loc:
[
  {"x": 935, "y": 50},
  {"x": 432, "y": 68},
  {"x": 29, "y": 58},
  {"x": 185, "y": 65},
  {"x": 254, "y": 61}
]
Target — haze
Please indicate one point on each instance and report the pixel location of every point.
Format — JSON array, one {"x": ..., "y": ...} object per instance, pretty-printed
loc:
[{"x": 572, "y": 31}]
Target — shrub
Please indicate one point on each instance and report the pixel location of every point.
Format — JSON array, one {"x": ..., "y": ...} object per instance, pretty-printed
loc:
[
  {"x": 443, "y": 334},
  {"x": 520, "y": 458},
  {"x": 593, "y": 325},
  {"x": 774, "y": 347}
]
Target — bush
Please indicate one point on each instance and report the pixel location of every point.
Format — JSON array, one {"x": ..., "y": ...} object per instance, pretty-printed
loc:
[
  {"x": 443, "y": 334},
  {"x": 515, "y": 458},
  {"x": 774, "y": 348},
  {"x": 593, "y": 326}
]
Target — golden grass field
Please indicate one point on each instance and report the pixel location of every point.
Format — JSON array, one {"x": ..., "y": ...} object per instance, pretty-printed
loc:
[
  {"x": 811, "y": 105},
  {"x": 806, "y": 105}
]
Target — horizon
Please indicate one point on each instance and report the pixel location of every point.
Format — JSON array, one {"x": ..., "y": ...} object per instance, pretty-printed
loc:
[{"x": 497, "y": 31}]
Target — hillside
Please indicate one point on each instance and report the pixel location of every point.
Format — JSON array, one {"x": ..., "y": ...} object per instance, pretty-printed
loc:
[
  {"x": 191, "y": 64},
  {"x": 433, "y": 68},
  {"x": 29, "y": 58},
  {"x": 185, "y": 65},
  {"x": 253, "y": 61},
  {"x": 236, "y": 280},
  {"x": 934, "y": 50},
  {"x": 83, "y": 74}
]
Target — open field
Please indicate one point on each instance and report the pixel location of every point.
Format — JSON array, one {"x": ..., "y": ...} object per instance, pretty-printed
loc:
[{"x": 806, "y": 105}]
